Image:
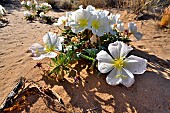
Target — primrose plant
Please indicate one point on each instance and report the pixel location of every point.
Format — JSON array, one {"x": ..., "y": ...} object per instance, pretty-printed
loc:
[
  {"x": 34, "y": 9},
  {"x": 93, "y": 35}
]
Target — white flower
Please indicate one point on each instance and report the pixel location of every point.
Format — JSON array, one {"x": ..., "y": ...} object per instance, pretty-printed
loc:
[
  {"x": 42, "y": 14},
  {"x": 122, "y": 69},
  {"x": 68, "y": 48},
  {"x": 23, "y": 3},
  {"x": 61, "y": 20},
  {"x": 52, "y": 43},
  {"x": 46, "y": 5},
  {"x": 27, "y": 13},
  {"x": 132, "y": 28},
  {"x": 2, "y": 11},
  {"x": 81, "y": 20},
  {"x": 99, "y": 26},
  {"x": 29, "y": 3},
  {"x": 115, "y": 23},
  {"x": 113, "y": 19}
]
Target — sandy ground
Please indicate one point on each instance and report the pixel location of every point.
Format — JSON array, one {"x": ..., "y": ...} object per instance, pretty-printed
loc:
[{"x": 149, "y": 94}]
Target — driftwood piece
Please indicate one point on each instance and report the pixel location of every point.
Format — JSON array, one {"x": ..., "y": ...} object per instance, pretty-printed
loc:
[{"x": 17, "y": 98}]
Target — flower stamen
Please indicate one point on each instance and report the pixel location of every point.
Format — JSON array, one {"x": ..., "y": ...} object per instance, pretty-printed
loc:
[
  {"x": 83, "y": 22},
  {"x": 95, "y": 24},
  {"x": 49, "y": 48},
  {"x": 118, "y": 63}
]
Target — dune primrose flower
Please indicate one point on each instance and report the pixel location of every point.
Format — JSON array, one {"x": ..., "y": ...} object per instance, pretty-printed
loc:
[
  {"x": 52, "y": 43},
  {"x": 61, "y": 20},
  {"x": 27, "y": 13},
  {"x": 132, "y": 29},
  {"x": 42, "y": 14},
  {"x": 115, "y": 23},
  {"x": 99, "y": 25},
  {"x": 23, "y": 3},
  {"x": 81, "y": 20},
  {"x": 122, "y": 69}
]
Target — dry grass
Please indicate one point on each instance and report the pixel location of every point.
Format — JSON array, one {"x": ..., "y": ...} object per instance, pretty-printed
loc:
[{"x": 135, "y": 6}]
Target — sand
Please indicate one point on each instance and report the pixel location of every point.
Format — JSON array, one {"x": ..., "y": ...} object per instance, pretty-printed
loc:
[{"x": 149, "y": 94}]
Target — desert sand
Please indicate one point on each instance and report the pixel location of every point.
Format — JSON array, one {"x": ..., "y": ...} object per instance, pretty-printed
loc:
[{"x": 149, "y": 94}]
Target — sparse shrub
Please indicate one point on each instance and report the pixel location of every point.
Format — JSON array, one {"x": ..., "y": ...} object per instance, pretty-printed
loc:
[{"x": 35, "y": 9}]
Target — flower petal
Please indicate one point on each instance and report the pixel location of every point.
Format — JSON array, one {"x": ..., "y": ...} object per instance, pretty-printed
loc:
[
  {"x": 131, "y": 27},
  {"x": 38, "y": 58},
  {"x": 129, "y": 78},
  {"x": 104, "y": 67},
  {"x": 35, "y": 46},
  {"x": 111, "y": 79},
  {"x": 47, "y": 39},
  {"x": 135, "y": 64},
  {"x": 48, "y": 55},
  {"x": 125, "y": 50},
  {"x": 61, "y": 39},
  {"x": 103, "y": 56},
  {"x": 50, "y": 38},
  {"x": 90, "y": 8},
  {"x": 134, "y": 28},
  {"x": 114, "y": 49},
  {"x": 119, "y": 49},
  {"x": 36, "y": 49},
  {"x": 138, "y": 35},
  {"x": 81, "y": 7}
]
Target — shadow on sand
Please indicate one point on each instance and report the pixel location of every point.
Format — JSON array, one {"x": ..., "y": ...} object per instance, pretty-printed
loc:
[{"x": 149, "y": 94}]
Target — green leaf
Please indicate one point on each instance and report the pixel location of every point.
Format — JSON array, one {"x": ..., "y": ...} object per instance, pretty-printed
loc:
[{"x": 86, "y": 57}]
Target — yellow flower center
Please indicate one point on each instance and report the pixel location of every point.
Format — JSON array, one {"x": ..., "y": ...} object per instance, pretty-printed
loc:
[
  {"x": 95, "y": 24},
  {"x": 118, "y": 63},
  {"x": 49, "y": 48},
  {"x": 83, "y": 22}
]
